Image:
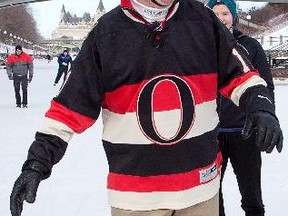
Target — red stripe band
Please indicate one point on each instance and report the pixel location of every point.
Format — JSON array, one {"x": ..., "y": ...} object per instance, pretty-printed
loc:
[
  {"x": 173, "y": 182},
  {"x": 77, "y": 122},
  {"x": 236, "y": 82},
  {"x": 166, "y": 95}
]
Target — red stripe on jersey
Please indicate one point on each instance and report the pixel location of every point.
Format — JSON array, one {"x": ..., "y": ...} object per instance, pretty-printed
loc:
[
  {"x": 76, "y": 121},
  {"x": 161, "y": 97},
  {"x": 238, "y": 81},
  {"x": 166, "y": 96},
  {"x": 172, "y": 182},
  {"x": 126, "y": 3}
]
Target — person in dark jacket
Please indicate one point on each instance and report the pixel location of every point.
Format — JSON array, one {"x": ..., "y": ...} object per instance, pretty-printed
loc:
[
  {"x": 19, "y": 68},
  {"x": 49, "y": 58},
  {"x": 153, "y": 69},
  {"x": 244, "y": 154},
  {"x": 64, "y": 61}
]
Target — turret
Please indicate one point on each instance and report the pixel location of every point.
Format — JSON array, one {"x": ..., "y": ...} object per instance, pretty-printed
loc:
[
  {"x": 99, "y": 12},
  {"x": 62, "y": 15}
]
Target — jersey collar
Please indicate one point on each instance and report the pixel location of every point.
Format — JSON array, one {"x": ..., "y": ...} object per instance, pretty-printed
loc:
[{"x": 130, "y": 12}]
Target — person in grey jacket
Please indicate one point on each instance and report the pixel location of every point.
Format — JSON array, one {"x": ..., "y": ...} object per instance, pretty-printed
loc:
[{"x": 19, "y": 68}]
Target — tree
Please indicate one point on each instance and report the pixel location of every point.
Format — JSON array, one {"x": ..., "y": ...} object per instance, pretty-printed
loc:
[
  {"x": 263, "y": 15},
  {"x": 18, "y": 22}
]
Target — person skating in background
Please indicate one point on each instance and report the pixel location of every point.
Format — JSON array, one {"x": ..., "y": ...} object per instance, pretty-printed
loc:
[
  {"x": 244, "y": 154},
  {"x": 64, "y": 61},
  {"x": 153, "y": 69},
  {"x": 19, "y": 67},
  {"x": 49, "y": 58}
]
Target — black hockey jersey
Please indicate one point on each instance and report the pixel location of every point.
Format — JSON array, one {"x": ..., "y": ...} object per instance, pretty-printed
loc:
[{"x": 156, "y": 85}]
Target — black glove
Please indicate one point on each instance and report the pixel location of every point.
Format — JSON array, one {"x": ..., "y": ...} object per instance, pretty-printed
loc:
[
  {"x": 25, "y": 187},
  {"x": 30, "y": 79},
  {"x": 268, "y": 131},
  {"x": 10, "y": 77}
]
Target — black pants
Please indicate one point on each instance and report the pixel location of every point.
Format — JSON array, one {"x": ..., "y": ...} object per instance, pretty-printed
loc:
[
  {"x": 59, "y": 74},
  {"x": 246, "y": 161},
  {"x": 23, "y": 82}
]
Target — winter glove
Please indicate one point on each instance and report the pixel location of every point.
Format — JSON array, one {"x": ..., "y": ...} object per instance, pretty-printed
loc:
[
  {"x": 26, "y": 186},
  {"x": 29, "y": 79},
  {"x": 10, "y": 77},
  {"x": 268, "y": 131}
]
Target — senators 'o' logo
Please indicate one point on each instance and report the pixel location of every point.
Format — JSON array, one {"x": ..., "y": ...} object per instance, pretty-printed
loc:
[{"x": 146, "y": 112}]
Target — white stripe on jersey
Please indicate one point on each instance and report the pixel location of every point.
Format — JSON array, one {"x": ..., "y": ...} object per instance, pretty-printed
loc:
[
  {"x": 124, "y": 128},
  {"x": 57, "y": 128},
  {"x": 238, "y": 91}
]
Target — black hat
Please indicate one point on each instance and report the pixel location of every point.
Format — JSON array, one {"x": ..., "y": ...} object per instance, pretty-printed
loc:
[{"x": 18, "y": 47}]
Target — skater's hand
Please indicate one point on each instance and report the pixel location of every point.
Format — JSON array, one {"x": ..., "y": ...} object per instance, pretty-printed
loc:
[
  {"x": 64, "y": 63},
  {"x": 10, "y": 77},
  {"x": 25, "y": 187},
  {"x": 268, "y": 131}
]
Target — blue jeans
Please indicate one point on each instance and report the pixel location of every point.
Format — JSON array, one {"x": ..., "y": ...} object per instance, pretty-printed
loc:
[{"x": 59, "y": 75}]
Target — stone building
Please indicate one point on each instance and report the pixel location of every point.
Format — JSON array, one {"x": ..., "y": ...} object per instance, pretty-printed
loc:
[{"x": 74, "y": 27}]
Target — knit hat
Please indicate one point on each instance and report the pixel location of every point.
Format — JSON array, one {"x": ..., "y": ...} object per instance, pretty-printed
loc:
[
  {"x": 18, "y": 47},
  {"x": 231, "y": 4}
]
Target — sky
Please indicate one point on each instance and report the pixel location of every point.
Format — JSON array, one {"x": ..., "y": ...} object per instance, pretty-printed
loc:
[
  {"x": 47, "y": 14},
  {"x": 77, "y": 185}
]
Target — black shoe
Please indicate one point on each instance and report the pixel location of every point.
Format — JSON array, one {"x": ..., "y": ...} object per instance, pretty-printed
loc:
[
  {"x": 25, "y": 106},
  {"x": 18, "y": 105}
]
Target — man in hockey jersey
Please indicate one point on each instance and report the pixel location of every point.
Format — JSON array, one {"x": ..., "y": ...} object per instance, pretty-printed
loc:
[
  {"x": 244, "y": 154},
  {"x": 153, "y": 68}
]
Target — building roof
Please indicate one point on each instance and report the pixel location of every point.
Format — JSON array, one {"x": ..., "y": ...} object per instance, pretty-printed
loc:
[{"x": 101, "y": 7}]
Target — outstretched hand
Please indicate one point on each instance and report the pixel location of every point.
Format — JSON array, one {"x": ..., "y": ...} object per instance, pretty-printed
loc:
[
  {"x": 25, "y": 188},
  {"x": 268, "y": 131}
]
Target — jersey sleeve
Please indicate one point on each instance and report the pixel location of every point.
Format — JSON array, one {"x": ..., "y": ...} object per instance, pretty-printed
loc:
[
  {"x": 73, "y": 110},
  {"x": 78, "y": 104},
  {"x": 238, "y": 80}
]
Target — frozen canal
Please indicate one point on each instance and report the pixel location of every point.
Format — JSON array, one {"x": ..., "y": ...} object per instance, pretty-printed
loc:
[{"x": 77, "y": 185}]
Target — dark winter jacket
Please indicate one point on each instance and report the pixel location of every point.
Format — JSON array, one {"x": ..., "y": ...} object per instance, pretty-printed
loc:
[
  {"x": 232, "y": 118},
  {"x": 64, "y": 59},
  {"x": 21, "y": 65},
  {"x": 156, "y": 87}
]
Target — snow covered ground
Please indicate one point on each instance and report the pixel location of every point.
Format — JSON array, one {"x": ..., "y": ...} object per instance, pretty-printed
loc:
[{"x": 77, "y": 185}]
